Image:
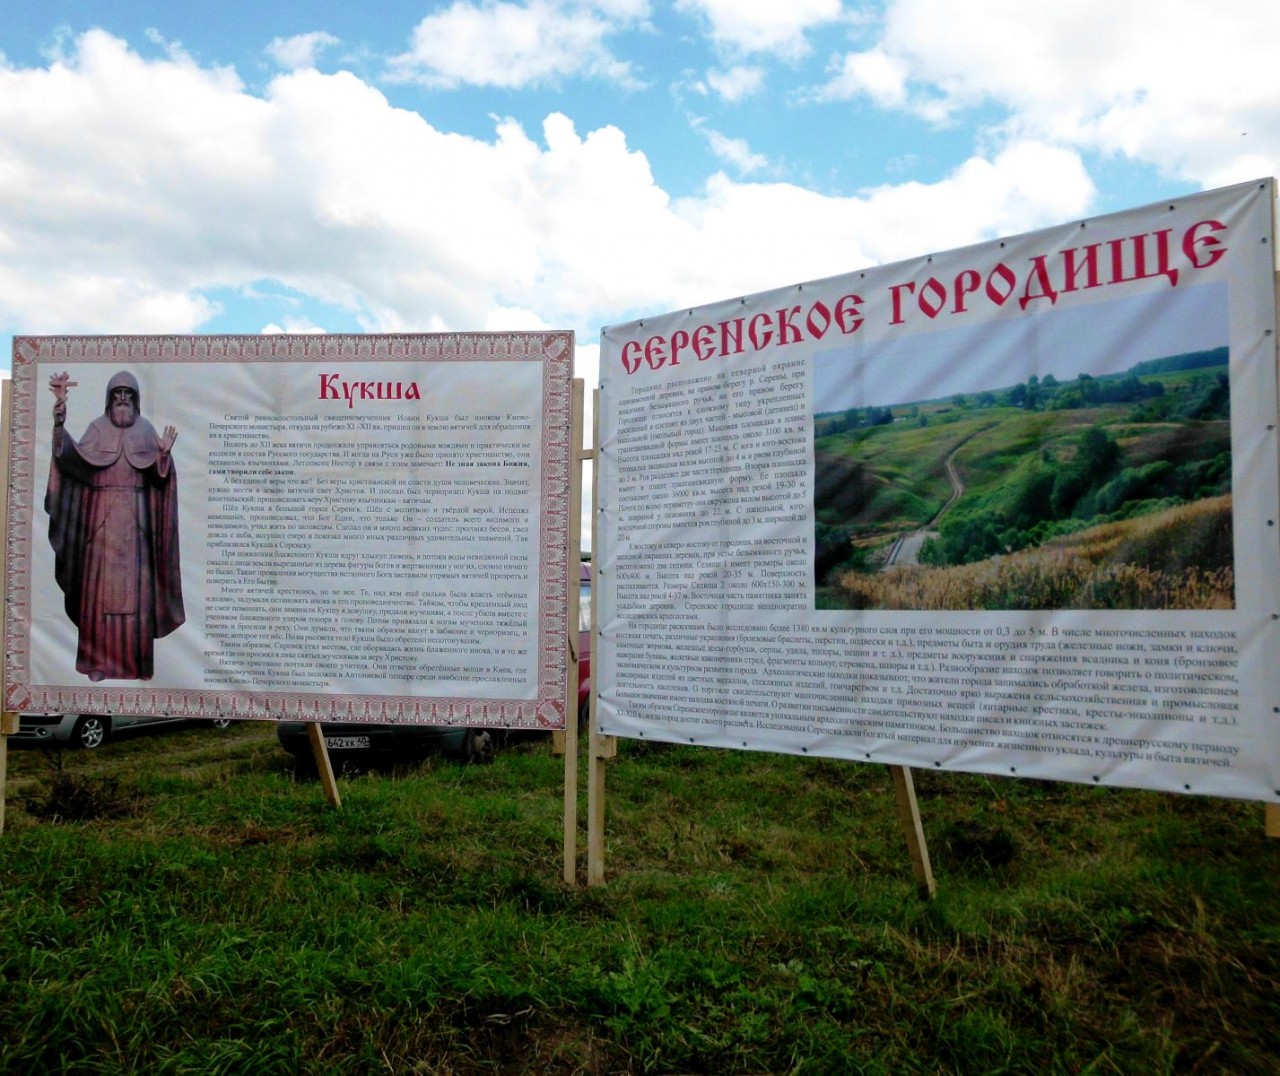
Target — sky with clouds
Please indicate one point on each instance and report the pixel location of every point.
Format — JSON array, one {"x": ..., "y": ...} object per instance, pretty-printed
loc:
[{"x": 516, "y": 164}]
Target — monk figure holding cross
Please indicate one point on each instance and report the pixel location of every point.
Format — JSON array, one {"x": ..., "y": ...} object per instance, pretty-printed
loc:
[{"x": 112, "y": 501}]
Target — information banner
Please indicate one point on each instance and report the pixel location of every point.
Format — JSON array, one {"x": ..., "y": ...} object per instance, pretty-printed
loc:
[
  {"x": 354, "y": 528},
  {"x": 1008, "y": 509}
]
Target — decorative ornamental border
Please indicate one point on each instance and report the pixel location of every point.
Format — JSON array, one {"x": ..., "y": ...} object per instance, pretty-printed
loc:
[{"x": 554, "y": 350}]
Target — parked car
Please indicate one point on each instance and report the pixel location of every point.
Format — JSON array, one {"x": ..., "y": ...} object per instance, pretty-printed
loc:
[
  {"x": 90, "y": 731},
  {"x": 351, "y": 745}
]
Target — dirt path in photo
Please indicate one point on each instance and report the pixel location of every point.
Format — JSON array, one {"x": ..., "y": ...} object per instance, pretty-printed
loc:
[{"x": 906, "y": 550}]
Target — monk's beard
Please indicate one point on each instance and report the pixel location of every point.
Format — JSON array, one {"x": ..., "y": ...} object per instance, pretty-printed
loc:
[{"x": 123, "y": 414}]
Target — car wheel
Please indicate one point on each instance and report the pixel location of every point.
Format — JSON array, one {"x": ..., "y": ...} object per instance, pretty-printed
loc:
[
  {"x": 479, "y": 745},
  {"x": 221, "y": 722},
  {"x": 91, "y": 731}
]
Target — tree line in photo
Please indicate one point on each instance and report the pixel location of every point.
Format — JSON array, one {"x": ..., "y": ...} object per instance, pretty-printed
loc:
[{"x": 1135, "y": 385}]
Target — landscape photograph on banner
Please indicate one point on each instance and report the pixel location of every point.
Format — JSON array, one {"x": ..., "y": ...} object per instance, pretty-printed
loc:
[{"x": 1067, "y": 459}]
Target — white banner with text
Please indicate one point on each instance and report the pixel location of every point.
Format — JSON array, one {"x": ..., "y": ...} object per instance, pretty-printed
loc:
[
  {"x": 1008, "y": 509},
  {"x": 355, "y": 528}
]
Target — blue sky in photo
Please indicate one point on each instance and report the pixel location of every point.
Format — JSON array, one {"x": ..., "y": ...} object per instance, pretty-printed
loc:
[{"x": 1096, "y": 339}]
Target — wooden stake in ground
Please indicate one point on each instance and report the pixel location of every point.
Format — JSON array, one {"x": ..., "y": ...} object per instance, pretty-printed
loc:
[
  {"x": 909, "y": 815},
  {"x": 8, "y": 726},
  {"x": 323, "y": 764}
]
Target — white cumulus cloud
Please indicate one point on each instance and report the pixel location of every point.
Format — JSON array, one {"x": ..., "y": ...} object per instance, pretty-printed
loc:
[
  {"x": 1188, "y": 87},
  {"x": 734, "y": 151},
  {"x": 135, "y": 192},
  {"x": 764, "y": 235},
  {"x": 736, "y": 83},
  {"x": 301, "y": 50},
  {"x": 512, "y": 45},
  {"x": 875, "y": 73},
  {"x": 775, "y": 26}
]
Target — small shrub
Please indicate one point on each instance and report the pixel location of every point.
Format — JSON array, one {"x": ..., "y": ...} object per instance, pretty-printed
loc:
[
  {"x": 977, "y": 847},
  {"x": 72, "y": 797}
]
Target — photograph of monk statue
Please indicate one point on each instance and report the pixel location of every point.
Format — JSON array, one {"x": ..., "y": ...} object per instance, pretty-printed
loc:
[{"x": 112, "y": 501}]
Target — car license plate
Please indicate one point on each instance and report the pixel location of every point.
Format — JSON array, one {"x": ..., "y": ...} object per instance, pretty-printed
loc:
[{"x": 348, "y": 743}]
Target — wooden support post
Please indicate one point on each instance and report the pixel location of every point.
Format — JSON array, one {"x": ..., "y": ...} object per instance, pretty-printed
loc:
[
  {"x": 909, "y": 815},
  {"x": 570, "y": 734},
  {"x": 8, "y": 726},
  {"x": 600, "y": 747},
  {"x": 323, "y": 765}
]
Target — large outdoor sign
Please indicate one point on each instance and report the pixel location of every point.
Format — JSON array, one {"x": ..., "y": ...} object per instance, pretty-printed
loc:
[
  {"x": 1008, "y": 509},
  {"x": 356, "y": 528}
]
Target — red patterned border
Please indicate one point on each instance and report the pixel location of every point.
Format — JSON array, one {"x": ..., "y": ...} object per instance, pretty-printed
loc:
[{"x": 554, "y": 350}]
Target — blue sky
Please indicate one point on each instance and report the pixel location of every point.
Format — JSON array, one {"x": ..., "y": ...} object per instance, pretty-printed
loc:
[{"x": 240, "y": 167}]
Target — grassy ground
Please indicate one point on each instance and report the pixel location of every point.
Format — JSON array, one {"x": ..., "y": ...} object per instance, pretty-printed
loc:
[{"x": 760, "y": 916}]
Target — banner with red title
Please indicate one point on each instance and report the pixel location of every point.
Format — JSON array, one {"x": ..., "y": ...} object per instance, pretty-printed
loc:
[
  {"x": 1007, "y": 509},
  {"x": 354, "y": 528}
]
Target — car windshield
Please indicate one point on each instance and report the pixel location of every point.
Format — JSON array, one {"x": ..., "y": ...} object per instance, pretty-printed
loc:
[{"x": 584, "y": 607}]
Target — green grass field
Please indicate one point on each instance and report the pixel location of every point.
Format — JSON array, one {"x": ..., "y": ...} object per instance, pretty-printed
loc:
[{"x": 760, "y": 916}]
